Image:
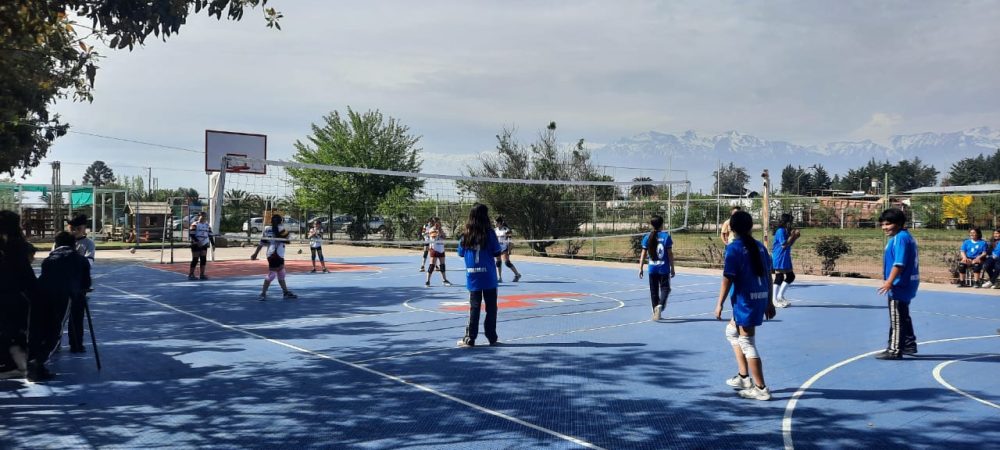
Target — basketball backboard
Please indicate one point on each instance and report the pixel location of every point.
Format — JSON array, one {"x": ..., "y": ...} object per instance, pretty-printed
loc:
[{"x": 222, "y": 143}]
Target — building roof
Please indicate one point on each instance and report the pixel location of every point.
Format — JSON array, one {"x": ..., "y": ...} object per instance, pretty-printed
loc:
[{"x": 968, "y": 189}]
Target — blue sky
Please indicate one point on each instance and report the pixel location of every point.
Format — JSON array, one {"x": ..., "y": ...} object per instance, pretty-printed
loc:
[{"x": 457, "y": 72}]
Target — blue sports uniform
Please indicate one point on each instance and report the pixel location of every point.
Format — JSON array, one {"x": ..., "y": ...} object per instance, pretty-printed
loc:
[
  {"x": 480, "y": 271},
  {"x": 901, "y": 251},
  {"x": 782, "y": 256},
  {"x": 663, "y": 243},
  {"x": 974, "y": 249},
  {"x": 750, "y": 293}
]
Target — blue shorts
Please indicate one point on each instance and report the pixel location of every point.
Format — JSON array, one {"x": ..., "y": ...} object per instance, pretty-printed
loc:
[{"x": 749, "y": 313}]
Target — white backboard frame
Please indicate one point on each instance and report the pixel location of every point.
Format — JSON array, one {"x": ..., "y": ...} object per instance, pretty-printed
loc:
[{"x": 221, "y": 143}]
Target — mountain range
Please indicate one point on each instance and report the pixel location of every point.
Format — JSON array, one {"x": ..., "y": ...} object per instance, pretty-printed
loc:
[{"x": 700, "y": 154}]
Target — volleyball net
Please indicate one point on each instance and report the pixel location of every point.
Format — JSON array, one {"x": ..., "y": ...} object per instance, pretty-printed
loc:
[{"x": 595, "y": 217}]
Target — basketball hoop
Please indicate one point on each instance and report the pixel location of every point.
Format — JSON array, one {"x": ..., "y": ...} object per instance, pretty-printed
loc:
[{"x": 238, "y": 167}]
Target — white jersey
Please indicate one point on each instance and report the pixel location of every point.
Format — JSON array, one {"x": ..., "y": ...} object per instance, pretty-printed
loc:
[
  {"x": 275, "y": 245},
  {"x": 201, "y": 233},
  {"x": 437, "y": 241},
  {"x": 503, "y": 235},
  {"x": 315, "y": 238},
  {"x": 425, "y": 233}
]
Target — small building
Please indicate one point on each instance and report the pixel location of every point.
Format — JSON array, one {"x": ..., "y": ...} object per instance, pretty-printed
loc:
[
  {"x": 959, "y": 205},
  {"x": 148, "y": 221}
]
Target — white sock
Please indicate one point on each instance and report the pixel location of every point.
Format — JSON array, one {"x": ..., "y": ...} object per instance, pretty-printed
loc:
[
  {"x": 776, "y": 298},
  {"x": 781, "y": 290}
]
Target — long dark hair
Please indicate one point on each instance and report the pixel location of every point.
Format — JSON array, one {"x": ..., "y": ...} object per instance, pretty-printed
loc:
[
  {"x": 657, "y": 223},
  {"x": 785, "y": 222},
  {"x": 477, "y": 226},
  {"x": 741, "y": 222},
  {"x": 12, "y": 238}
]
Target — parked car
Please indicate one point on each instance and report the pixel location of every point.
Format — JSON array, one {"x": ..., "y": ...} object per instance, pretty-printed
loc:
[
  {"x": 376, "y": 224},
  {"x": 255, "y": 225},
  {"x": 293, "y": 226},
  {"x": 341, "y": 222}
]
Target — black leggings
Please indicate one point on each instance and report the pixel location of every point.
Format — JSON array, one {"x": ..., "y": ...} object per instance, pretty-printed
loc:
[
  {"x": 787, "y": 277},
  {"x": 476, "y": 299},
  {"x": 314, "y": 252}
]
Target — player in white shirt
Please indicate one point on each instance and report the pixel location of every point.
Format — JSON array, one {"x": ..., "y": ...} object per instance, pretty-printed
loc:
[
  {"x": 275, "y": 237},
  {"x": 503, "y": 235},
  {"x": 316, "y": 246},
  {"x": 201, "y": 236},
  {"x": 436, "y": 253},
  {"x": 425, "y": 234}
]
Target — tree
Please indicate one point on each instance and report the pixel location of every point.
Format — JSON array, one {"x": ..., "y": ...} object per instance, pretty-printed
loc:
[
  {"x": 820, "y": 179},
  {"x": 98, "y": 174},
  {"x": 367, "y": 140},
  {"x": 46, "y": 59},
  {"x": 537, "y": 211},
  {"x": 978, "y": 170},
  {"x": 642, "y": 190},
  {"x": 908, "y": 175},
  {"x": 731, "y": 180}
]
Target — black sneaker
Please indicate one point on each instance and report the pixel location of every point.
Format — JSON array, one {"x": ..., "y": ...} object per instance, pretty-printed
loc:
[
  {"x": 313, "y": 271},
  {"x": 886, "y": 355},
  {"x": 289, "y": 294},
  {"x": 495, "y": 343},
  {"x": 962, "y": 285},
  {"x": 192, "y": 277},
  {"x": 462, "y": 343},
  {"x": 202, "y": 278},
  {"x": 517, "y": 277},
  {"x": 910, "y": 351},
  {"x": 39, "y": 374},
  {"x": 79, "y": 349},
  {"x": 325, "y": 271}
]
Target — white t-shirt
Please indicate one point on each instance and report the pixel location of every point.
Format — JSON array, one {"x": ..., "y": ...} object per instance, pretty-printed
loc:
[
  {"x": 503, "y": 235},
  {"x": 437, "y": 242},
  {"x": 274, "y": 244},
  {"x": 315, "y": 238},
  {"x": 201, "y": 232}
]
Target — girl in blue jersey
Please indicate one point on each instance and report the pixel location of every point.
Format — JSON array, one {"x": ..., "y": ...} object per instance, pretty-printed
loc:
[
  {"x": 479, "y": 246},
  {"x": 658, "y": 246},
  {"x": 784, "y": 274},
  {"x": 992, "y": 266},
  {"x": 747, "y": 270},
  {"x": 972, "y": 255},
  {"x": 901, "y": 272}
]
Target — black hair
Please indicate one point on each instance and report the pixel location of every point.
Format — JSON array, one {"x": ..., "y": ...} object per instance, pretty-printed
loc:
[
  {"x": 736, "y": 208},
  {"x": 742, "y": 224},
  {"x": 657, "y": 223},
  {"x": 276, "y": 219},
  {"x": 894, "y": 216},
  {"x": 500, "y": 221},
  {"x": 785, "y": 221},
  {"x": 979, "y": 233},
  {"x": 11, "y": 237},
  {"x": 65, "y": 239},
  {"x": 477, "y": 226}
]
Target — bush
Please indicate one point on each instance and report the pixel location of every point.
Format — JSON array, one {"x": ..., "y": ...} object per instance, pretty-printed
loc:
[{"x": 831, "y": 248}]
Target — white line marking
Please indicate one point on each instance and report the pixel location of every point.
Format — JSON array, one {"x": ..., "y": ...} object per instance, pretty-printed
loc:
[
  {"x": 940, "y": 379},
  {"x": 786, "y": 421},
  {"x": 421, "y": 387}
]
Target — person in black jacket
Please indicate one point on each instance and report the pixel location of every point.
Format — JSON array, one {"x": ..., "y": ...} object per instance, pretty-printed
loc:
[
  {"x": 17, "y": 284},
  {"x": 65, "y": 275}
]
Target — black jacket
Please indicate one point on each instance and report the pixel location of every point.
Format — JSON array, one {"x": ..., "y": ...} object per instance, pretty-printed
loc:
[{"x": 65, "y": 273}]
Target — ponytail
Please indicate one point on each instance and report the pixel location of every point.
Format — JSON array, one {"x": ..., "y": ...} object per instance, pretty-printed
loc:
[{"x": 651, "y": 243}]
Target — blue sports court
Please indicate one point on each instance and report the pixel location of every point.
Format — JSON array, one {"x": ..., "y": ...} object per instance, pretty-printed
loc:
[{"x": 367, "y": 359}]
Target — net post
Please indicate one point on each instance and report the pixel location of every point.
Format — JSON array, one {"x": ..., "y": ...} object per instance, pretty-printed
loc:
[{"x": 217, "y": 183}]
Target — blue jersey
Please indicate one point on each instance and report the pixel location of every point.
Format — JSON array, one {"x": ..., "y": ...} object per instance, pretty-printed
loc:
[
  {"x": 663, "y": 243},
  {"x": 480, "y": 268},
  {"x": 996, "y": 250},
  {"x": 973, "y": 249},
  {"x": 782, "y": 256},
  {"x": 901, "y": 251},
  {"x": 750, "y": 293}
]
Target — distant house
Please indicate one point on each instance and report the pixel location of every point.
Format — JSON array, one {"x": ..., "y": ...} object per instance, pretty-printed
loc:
[{"x": 148, "y": 219}]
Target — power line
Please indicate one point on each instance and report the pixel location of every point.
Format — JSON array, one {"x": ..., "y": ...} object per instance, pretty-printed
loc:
[{"x": 170, "y": 147}]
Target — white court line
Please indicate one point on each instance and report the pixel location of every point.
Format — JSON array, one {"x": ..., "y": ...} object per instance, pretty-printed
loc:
[
  {"x": 940, "y": 379},
  {"x": 403, "y": 381},
  {"x": 786, "y": 421},
  {"x": 321, "y": 319}
]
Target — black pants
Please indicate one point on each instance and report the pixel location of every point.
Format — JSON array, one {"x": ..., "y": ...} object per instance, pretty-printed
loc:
[
  {"x": 314, "y": 252},
  {"x": 76, "y": 306},
  {"x": 659, "y": 289},
  {"x": 13, "y": 327},
  {"x": 490, "y": 323},
  {"x": 45, "y": 325},
  {"x": 992, "y": 267},
  {"x": 900, "y": 327}
]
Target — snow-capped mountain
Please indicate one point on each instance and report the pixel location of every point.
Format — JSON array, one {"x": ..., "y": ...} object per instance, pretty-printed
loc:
[{"x": 700, "y": 155}]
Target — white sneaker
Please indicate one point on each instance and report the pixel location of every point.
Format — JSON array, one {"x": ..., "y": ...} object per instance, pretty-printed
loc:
[
  {"x": 657, "y": 311},
  {"x": 781, "y": 303},
  {"x": 756, "y": 393},
  {"x": 739, "y": 382},
  {"x": 987, "y": 285}
]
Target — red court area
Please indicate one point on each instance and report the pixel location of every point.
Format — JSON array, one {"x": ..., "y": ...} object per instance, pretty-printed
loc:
[
  {"x": 225, "y": 269},
  {"x": 523, "y": 300}
]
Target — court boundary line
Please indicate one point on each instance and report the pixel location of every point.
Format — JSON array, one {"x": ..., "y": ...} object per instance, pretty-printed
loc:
[
  {"x": 369, "y": 370},
  {"x": 940, "y": 379},
  {"x": 786, "y": 421}
]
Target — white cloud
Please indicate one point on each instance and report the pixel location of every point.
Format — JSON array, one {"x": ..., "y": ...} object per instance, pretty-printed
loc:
[{"x": 879, "y": 128}]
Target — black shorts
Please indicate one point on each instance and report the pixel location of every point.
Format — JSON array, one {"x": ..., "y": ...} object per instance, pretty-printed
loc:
[
  {"x": 275, "y": 262},
  {"x": 195, "y": 248}
]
